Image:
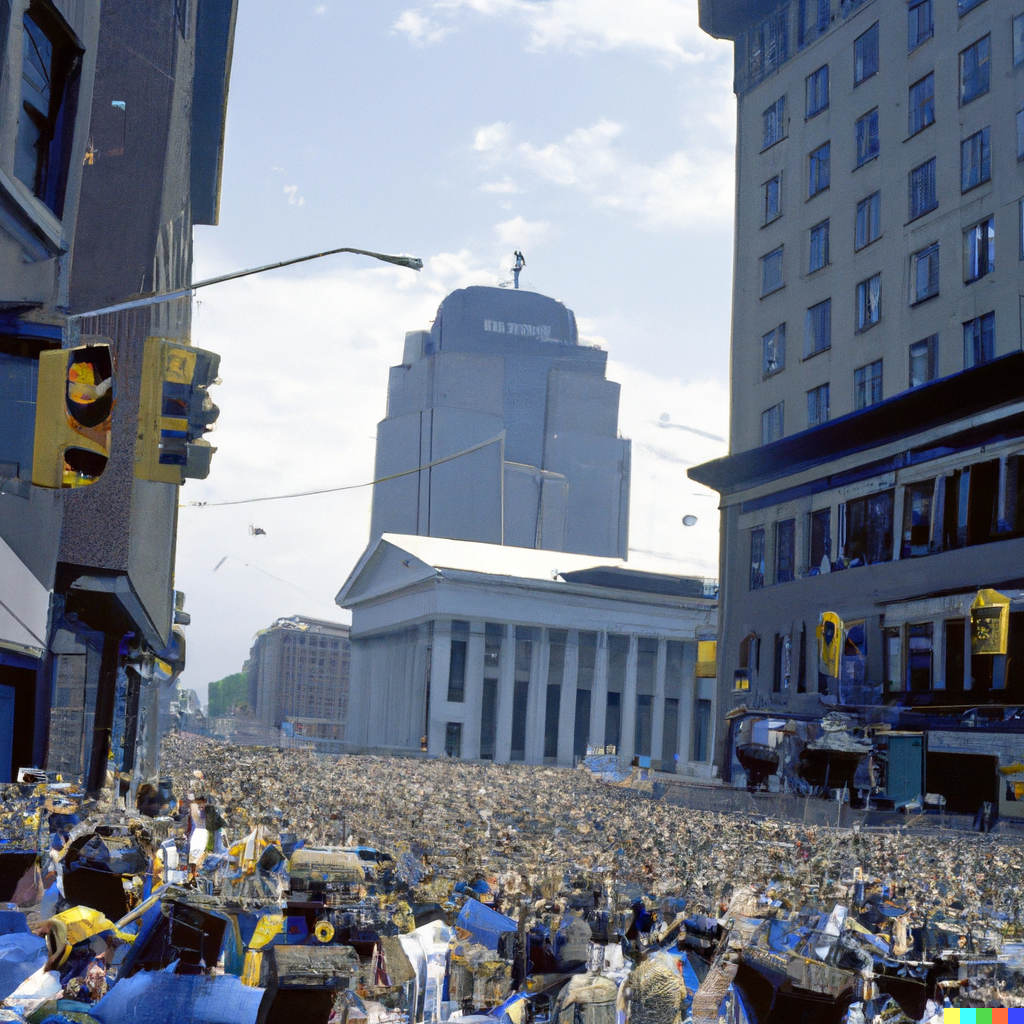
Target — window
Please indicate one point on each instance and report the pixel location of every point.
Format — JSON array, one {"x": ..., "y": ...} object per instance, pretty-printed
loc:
[
  {"x": 920, "y": 23},
  {"x": 979, "y": 250},
  {"x": 869, "y": 302},
  {"x": 701, "y": 730},
  {"x": 453, "y": 739},
  {"x": 865, "y": 55},
  {"x": 917, "y": 519},
  {"x": 867, "y": 385},
  {"x": 49, "y": 95},
  {"x": 819, "y": 247},
  {"x": 970, "y": 505},
  {"x": 457, "y": 664},
  {"x": 1020, "y": 134},
  {"x": 923, "y": 197},
  {"x": 821, "y": 541},
  {"x": 867, "y": 137},
  {"x": 774, "y": 123},
  {"x": 818, "y": 328},
  {"x": 975, "y": 160},
  {"x": 768, "y": 46},
  {"x": 926, "y": 274},
  {"x": 974, "y": 69},
  {"x": 773, "y": 199},
  {"x": 919, "y": 657},
  {"x": 818, "y": 170},
  {"x": 785, "y": 551},
  {"x": 772, "y": 423},
  {"x": 979, "y": 340},
  {"x": 924, "y": 361},
  {"x": 921, "y": 106},
  {"x": 757, "y": 559},
  {"x": 963, "y": 6},
  {"x": 869, "y": 220},
  {"x": 817, "y": 406},
  {"x": 773, "y": 350},
  {"x": 867, "y": 527},
  {"x": 817, "y": 91},
  {"x": 771, "y": 272},
  {"x": 1018, "y": 40}
]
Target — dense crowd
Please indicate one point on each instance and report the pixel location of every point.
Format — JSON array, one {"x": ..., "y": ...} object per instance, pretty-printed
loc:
[{"x": 539, "y": 830}]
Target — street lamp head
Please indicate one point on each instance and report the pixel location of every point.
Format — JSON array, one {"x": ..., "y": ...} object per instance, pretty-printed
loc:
[{"x": 412, "y": 262}]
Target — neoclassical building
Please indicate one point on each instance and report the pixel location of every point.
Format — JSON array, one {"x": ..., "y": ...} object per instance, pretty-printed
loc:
[{"x": 485, "y": 651}]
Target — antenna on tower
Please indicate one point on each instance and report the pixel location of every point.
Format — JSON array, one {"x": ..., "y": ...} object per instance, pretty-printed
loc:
[{"x": 520, "y": 263}]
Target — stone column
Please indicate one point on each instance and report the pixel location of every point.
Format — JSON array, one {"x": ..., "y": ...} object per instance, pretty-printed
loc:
[
  {"x": 567, "y": 705},
  {"x": 474, "y": 690},
  {"x": 627, "y": 741},
  {"x": 968, "y": 677},
  {"x": 658, "y": 704},
  {"x": 506, "y": 686},
  {"x": 1007, "y": 515},
  {"x": 536, "y": 702},
  {"x": 897, "y": 520},
  {"x": 938, "y": 654},
  {"x": 599, "y": 692},
  {"x": 440, "y": 662},
  {"x": 687, "y": 695}
]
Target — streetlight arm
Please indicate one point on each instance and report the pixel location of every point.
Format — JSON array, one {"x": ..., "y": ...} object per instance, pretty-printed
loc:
[{"x": 412, "y": 262}]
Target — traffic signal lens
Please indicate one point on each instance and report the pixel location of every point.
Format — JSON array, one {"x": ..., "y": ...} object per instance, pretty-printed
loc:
[
  {"x": 82, "y": 467},
  {"x": 89, "y": 389}
]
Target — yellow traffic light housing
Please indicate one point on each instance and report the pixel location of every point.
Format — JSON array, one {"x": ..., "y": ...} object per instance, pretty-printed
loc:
[
  {"x": 74, "y": 402},
  {"x": 830, "y": 643},
  {"x": 175, "y": 410},
  {"x": 990, "y": 622}
]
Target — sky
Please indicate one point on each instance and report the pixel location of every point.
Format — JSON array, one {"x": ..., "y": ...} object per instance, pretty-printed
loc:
[{"x": 597, "y": 136}]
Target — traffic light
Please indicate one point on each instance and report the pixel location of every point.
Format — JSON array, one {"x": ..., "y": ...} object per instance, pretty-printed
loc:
[
  {"x": 830, "y": 643},
  {"x": 74, "y": 401},
  {"x": 175, "y": 410}
]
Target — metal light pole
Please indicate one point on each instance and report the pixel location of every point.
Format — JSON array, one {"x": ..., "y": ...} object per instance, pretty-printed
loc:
[{"x": 412, "y": 262}]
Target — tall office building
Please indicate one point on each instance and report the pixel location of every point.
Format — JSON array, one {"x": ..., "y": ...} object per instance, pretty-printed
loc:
[
  {"x": 504, "y": 369},
  {"x": 877, "y": 392}
]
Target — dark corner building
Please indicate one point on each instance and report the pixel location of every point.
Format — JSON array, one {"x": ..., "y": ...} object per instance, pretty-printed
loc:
[
  {"x": 112, "y": 122},
  {"x": 875, "y": 487}
]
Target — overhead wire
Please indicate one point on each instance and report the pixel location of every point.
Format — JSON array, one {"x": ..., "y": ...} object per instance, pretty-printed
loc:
[{"x": 351, "y": 487}]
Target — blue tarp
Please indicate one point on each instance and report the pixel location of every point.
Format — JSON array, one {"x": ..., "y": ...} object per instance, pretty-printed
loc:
[
  {"x": 156, "y": 997},
  {"x": 484, "y": 924}
]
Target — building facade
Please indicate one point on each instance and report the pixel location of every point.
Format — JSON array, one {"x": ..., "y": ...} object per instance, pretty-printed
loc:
[
  {"x": 877, "y": 415},
  {"x": 111, "y": 135},
  {"x": 511, "y": 655},
  {"x": 502, "y": 371},
  {"x": 298, "y": 672}
]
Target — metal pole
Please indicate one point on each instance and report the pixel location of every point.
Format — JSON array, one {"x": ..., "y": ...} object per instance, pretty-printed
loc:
[{"x": 412, "y": 262}]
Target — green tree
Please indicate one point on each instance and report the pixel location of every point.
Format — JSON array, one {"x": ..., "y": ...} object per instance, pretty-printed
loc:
[{"x": 228, "y": 693}]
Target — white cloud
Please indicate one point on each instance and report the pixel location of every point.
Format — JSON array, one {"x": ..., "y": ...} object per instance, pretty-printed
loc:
[
  {"x": 294, "y": 199},
  {"x": 504, "y": 187},
  {"x": 660, "y": 491},
  {"x": 666, "y": 27},
  {"x": 492, "y": 136},
  {"x": 686, "y": 187},
  {"x": 521, "y": 233},
  {"x": 420, "y": 29}
]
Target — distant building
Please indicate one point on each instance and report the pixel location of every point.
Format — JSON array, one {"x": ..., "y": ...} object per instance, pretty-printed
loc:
[
  {"x": 504, "y": 366},
  {"x": 507, "y": 654},
  {"x": 299, "y": 672}
]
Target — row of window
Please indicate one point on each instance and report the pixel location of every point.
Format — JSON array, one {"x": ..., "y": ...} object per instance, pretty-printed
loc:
[
  {"x": 974, "y": 81},
  {"x": 954, "y": 510},
  {"x": 979, "y": 346},
  {"x": 922, "y": 198}
]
